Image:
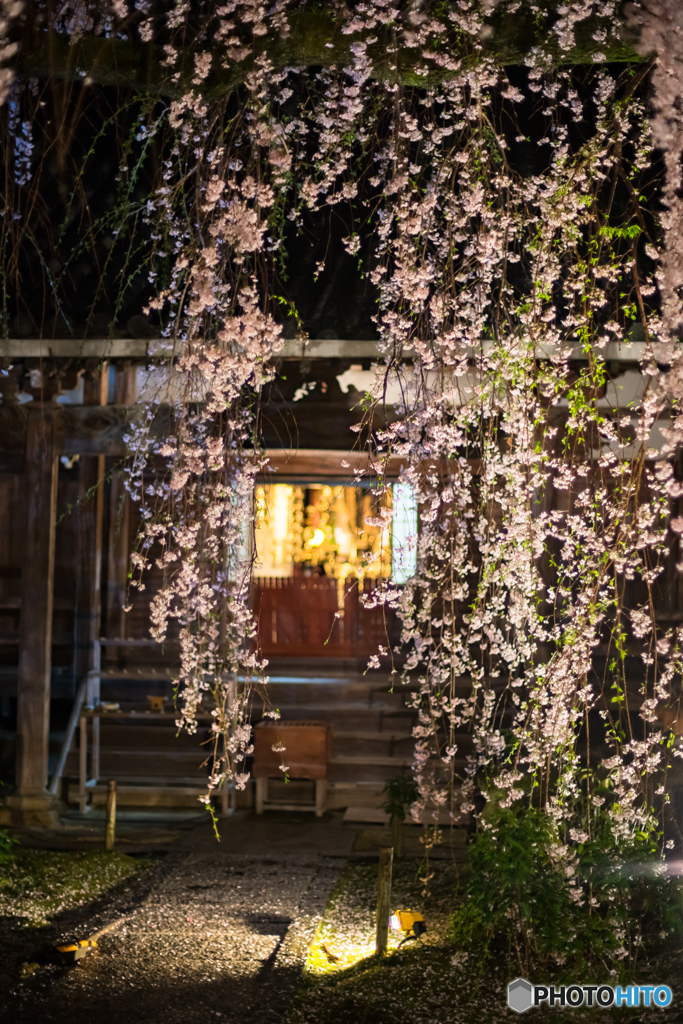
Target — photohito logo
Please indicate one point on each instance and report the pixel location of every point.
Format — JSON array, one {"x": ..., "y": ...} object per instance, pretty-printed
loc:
[{"x": 522, "y": 995}]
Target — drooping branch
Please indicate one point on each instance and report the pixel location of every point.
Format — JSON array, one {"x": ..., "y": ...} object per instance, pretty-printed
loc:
[{"x": 315, "y": 39}]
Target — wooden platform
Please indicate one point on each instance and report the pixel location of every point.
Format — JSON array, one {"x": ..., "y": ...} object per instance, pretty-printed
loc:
[
  {"x": 154, "y": 765},
  {"x": 167, "y": 794}
]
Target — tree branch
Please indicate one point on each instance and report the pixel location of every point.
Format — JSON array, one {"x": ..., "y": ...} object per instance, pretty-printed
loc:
[{"x": 314, "y": 39}]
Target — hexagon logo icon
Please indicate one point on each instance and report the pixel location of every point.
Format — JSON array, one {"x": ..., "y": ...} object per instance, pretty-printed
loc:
[{"x": 520, "y": 995}]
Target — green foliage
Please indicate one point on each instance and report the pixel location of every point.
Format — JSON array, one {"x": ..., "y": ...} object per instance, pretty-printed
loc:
[
  {"x": 546, "y": 899},
  {"x": 36, "y": 885},
  {"x": 401, "y": 792},
  {"x": 631, "y": 231},
  {"x": 7, "y": 845}
]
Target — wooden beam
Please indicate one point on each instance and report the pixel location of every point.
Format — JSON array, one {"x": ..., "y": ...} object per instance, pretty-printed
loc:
[
  {"x": 76, "y": 348},
  {"x": 144, "y": 349},
  {"x": 311, "y": 464},
  {"x": 100, "y": 430},
  {"x": 31, "y": 803},
  {"x": 313, "y": 38}
]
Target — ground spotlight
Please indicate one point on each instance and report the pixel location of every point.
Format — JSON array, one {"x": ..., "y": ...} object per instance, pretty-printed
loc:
[{"x": 410, "y": 922}]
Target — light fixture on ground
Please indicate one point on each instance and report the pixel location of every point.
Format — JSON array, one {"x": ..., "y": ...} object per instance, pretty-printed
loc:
[{"x": 410, "y": 922}]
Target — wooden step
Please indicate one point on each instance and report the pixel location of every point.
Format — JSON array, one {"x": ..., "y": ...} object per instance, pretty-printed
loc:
[
  {"x": 352, "y": 719},
  {"x": 376, "y": 816},
  {"x": 116, "y": 764},
  {"x": 372, "y": 745},
  {"x": 359, "y": 794},
  {"x": 170, "y": 794},
  {"x": 341, "y": 708},
  {"x": 155, "y": 736},
  {"x": 138, "y": 673},
  {"x": 365, "y": 769},
  {"x": 139, "y": 763},
  {"x": 356, "y": 695},
  {"x": 371, "y": 734},
  {"x": 374, "y": 760},
  {"x": 357, "y": 768}
]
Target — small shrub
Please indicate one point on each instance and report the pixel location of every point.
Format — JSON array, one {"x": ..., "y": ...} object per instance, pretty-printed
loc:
[
  {"x": 401, "y": 791},
  {"x": 544, "y": 899}
]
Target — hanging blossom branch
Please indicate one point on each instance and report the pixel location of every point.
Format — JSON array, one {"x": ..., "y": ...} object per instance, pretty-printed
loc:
[
  {"x": 482, "y": 441},
  {"x": 502, "y": 275},
  {"x": 198, "y": 507}
]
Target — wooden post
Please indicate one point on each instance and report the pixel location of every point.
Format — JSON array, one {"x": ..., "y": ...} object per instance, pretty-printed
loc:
[
  {"x": 118, "y": 558},
  {"x": 320, "y": 795},
  {"x": 386, "y": 857},
  {"x": 93, "y": 699},
  {"x": 110, "y": 830},
  {"x": 119, "y": 525},
  {"x": 87, "y": 616},
  {"x": 31, "y": 804},
  {"x": 88, "y": 562},
  {"x": 83, "y": 766},
  {"x": 89, "y": 517}
]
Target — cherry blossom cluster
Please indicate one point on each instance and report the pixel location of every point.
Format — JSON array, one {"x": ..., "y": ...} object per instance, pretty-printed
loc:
[{"x": 500, "y": 215}]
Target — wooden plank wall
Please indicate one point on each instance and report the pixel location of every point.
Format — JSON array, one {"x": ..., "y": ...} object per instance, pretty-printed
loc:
[
  {"x": 13, "y": 516},
  {"x": 299, "y": 616}
]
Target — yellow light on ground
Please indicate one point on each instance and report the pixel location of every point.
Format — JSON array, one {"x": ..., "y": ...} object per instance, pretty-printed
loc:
[
  {"x": 317, "y": 539},
  {"x": 337, "y": 954},
  {"x": 410, "y": 922}
]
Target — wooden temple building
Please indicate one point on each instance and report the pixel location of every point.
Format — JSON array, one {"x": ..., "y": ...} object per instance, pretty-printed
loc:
[{"x": 69, "y": 651}]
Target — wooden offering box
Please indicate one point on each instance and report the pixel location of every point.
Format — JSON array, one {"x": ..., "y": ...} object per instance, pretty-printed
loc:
[{"x": 307, "y": 751}]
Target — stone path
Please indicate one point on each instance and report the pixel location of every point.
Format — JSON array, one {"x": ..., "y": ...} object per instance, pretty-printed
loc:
[{"x": 217, "y": 932}]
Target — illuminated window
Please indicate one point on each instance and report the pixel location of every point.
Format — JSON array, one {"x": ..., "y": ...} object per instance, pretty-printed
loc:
[
  {"x": 404, "y": 534},
  {"x": 339, "y": 531}
]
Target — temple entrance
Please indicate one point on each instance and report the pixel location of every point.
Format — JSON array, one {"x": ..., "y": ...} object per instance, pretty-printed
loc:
[{"x": 322, "y": 552}]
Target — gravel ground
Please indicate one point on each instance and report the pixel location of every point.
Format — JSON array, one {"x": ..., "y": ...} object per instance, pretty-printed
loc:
[{"x": 208, "y": 934}]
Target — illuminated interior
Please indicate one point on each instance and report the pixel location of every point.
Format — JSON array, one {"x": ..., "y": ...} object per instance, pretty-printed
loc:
[{"x": 335, "y": 531}]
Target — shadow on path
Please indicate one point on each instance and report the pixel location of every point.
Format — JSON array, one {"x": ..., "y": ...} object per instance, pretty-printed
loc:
[{"x": 217, "y": 931}]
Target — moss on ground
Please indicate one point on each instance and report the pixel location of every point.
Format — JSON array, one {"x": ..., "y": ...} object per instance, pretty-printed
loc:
[
  {"x": 36, "y": 885},
  {"x": 429, "y": 981},
  {"x": 344, "y": 983}
]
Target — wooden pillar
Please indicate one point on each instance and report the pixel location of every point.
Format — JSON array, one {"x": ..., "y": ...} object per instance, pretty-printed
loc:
[
  {"x": 119, "y": 523},
  {"x": 320, "y": 796},
  {"x": 110, "y": 827},
  {"x": 386, "y": 857},
  {"x": 88, "y": 612},
  {"x": 31, "y": 804},
  {"x": 88, "y": 563},
  {"x": 118, "y": 555}
]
